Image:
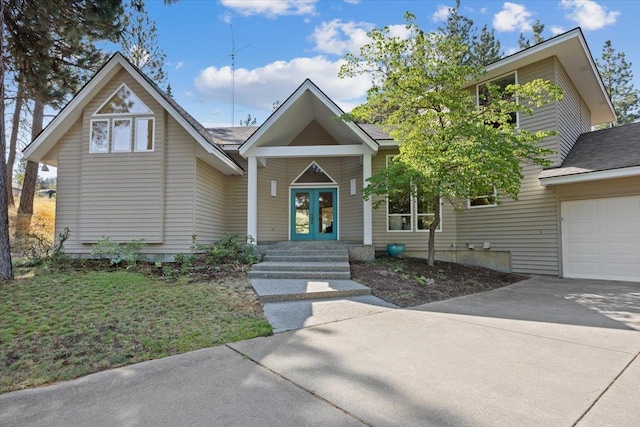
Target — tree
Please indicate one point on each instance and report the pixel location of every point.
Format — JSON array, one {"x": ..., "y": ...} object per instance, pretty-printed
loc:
[
  {"x": 249, "y": 121},
  {"x": 13, "y": 139},
  {"x": 139, "y": 42},
  {"x": 450, "y": 147},
  {"x": 483, "y": 49},
  {"x": 537, "y": 29},
  {"x": 617, "y": 77},
  {"x": 51, "y": 43},
  {"x": 6, "y": 268}
]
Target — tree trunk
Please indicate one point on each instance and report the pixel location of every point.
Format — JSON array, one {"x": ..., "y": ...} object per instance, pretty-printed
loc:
[
  {"x": 431, "y": 258},
  {"x": 25, "y": 211},
  {"x": 6, "y": 270},
  {"x": 13, "y": 142}
]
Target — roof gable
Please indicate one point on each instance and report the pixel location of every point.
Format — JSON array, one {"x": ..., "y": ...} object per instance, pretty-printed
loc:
[
  {"x": 307, "y": 103},
  {"x": 572, "y": 52},
  {"x": 49, "y": 137}
]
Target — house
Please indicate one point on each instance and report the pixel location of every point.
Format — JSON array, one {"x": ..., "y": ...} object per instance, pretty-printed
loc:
[{"x": 132, "y": 164}]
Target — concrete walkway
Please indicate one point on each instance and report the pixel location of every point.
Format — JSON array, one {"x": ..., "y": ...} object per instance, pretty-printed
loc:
[{"x": 541, "y": 352}]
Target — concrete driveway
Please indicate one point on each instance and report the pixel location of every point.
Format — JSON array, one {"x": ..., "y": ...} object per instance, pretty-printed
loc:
[{"x": 543, "y": 352}]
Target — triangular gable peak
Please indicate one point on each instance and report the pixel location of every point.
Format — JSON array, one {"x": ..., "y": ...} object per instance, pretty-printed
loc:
[
  {"x": 49, "y": 137},
  {"x": 313, "y": 174},
  {"x": 123, "y": 101},
  {"x": 306, "y": 105}
]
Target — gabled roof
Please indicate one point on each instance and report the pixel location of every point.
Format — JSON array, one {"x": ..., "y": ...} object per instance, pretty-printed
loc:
[
  {"x": 307, "y": 103},
  {"x": 73, "y": 111},
  {"x": 573, "y": 53},
  {"x": 607, "y": 153}
]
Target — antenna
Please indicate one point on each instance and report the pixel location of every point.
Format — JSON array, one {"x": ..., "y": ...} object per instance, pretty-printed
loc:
[{"x": 233, "y": 74}]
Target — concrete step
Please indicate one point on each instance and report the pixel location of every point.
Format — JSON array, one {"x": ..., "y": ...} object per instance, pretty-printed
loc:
[
  {"x": 286, "y": 274},
  {"x": 309, "y": 252},
  {"x": 302, "y": 257},
  {"x": 302, "y": 266},
  {"x": 271, "y": 290}
]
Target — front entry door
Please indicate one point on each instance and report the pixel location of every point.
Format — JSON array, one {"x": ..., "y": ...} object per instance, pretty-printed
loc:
[{"x": 314, "y": 212}]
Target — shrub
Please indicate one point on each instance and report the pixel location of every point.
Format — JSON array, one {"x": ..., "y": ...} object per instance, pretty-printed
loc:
[
  {"x": 129, "y": 252},
  {"x": 229, "y": 250}
]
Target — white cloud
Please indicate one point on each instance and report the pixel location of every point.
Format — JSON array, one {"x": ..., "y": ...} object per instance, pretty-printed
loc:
[
  {"x": 226, "y": 17},
  {"x": 441, "y": 14},
  {"x": 512, "y": 17},
  {"x": 337, "y": 37},
  {"x": 588, "y": 14},
  {"x": 352, "y": 1},
  {"x": 259, "y": 88},
  {"x": 179, "y": 65},
  {"x": 272, "y": 8},
  {"x": 555, "y": 30}
]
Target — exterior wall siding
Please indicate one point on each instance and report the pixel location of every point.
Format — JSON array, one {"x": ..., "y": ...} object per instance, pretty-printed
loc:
[
  {"x": 529, "y": 227},
  {"x": 574, "y": 116},
  {"x": 313, "y": 134},
  {"x": 351, "y": 206},
  {"x": 209, "y": 204},
  {"x": 121, "y": 193},
  {"x": 619, "y": 187},
  {"x": 417, "y": 242}
]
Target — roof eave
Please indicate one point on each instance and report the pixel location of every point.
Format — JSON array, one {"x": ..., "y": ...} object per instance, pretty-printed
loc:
[{"x": 590, "y": 176}]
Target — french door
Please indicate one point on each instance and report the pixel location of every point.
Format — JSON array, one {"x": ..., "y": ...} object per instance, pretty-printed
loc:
[{"x": 314, "y": 214}]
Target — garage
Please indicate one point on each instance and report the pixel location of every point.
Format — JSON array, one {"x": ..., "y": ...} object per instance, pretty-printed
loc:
[{"x": 601, "y": 238}]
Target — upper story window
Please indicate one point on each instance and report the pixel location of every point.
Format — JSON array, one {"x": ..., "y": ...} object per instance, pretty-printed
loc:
[
  {"x": 484, "y": 97},
  {"x": 410, "y": 212},
  {"x": 488, "y": 199},
  {"x": 123, "y": 123}
]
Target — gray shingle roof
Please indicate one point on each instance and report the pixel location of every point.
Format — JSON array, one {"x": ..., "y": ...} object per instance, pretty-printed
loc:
[
  {"x": 238, "y": 135},
  {"x": 606, "y": 149}
]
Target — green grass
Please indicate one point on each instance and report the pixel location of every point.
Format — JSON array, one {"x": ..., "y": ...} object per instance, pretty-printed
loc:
[{"x": 60, "y": 324}]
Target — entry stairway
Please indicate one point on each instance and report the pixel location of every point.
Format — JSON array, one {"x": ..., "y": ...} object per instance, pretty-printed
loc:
[{"x": 303, "y": 284}]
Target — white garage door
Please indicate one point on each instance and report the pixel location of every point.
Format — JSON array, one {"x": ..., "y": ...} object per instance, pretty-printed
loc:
[{"x": 601, "y": 238}]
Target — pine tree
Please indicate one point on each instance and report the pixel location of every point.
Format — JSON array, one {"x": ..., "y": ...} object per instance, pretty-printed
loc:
[
  {"x": 617, "y": 76},
  {"x": 249, "y": 121},
  {"x": 139, "y": 42},
  {"x": 485, "y": 48},
  {"x": 537, "y": 29}
]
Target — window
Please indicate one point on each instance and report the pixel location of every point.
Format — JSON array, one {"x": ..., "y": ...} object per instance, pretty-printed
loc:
[
  {"x": 484, "y": 201},
  {"x": 501, "y": 82},
  {"x": 407, "y": 212},
  {"x": 125, "y": 124}
]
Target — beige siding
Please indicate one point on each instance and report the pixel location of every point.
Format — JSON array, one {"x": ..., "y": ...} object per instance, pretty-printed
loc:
[
  {"x": 574, "y": 117},
  {"x": 236, "y": 205},
  {"x": 121, "y": 193},
  {"x": 350, "y": 209},
  {"x": 619, "y": 187},
  {"x": 209, "y": 204},
  {"x": 313, "y": 134},
  {"x": 273, "y": 211},
  {"x": 179, "y": 184},
  {"x": 415, "y": 241},
  {"x": 68, "y": 195}
]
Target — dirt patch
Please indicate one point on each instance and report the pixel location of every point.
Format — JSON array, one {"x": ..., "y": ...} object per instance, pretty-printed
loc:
[{"x": 407, "y": 282}]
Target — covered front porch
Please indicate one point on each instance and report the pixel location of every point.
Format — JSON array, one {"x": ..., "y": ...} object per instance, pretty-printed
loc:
[{"x": 306, "y": 168}]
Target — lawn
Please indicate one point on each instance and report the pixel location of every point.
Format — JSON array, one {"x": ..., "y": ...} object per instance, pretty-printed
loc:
[{"x": 62, "y": 323}]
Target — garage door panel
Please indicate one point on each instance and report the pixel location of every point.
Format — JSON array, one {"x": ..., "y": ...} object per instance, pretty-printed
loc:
[{"x": 601, "y": 238}]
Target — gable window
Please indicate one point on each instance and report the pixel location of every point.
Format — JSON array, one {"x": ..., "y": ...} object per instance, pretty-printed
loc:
[
  {"x": 407, "y": 212},
  {"x": 486, "y": 200},
  {"x": 483, "y": 96},
  {"x": 123, "y": 123}
]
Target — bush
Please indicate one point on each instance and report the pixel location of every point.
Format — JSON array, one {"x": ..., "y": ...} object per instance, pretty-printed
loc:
[
  {"x": 229, "y": 250},
  {"x": 129, "y": 252}
]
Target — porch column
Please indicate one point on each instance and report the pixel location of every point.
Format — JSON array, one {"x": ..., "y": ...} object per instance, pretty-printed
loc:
[
  {"x": 367, "y": 207},
  {"x": 252, "y": 198}
]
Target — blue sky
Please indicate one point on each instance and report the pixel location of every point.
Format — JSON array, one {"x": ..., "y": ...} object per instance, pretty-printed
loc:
[{"x": 279, "y": 43}]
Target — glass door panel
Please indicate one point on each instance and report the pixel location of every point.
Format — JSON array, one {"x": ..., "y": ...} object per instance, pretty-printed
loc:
[{"x": 314, "y": 214}]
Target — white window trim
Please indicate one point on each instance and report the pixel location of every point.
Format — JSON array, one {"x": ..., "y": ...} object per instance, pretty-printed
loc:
[
  {"x": 153, "y": 135},
  {"x": 96, "y": 114},
  {"x": 112, "y": 126},
  {"x": 491, "y": 205},
  {"x": 413, "y": 214},
  {"x": 91, "y": 150},
  {"x": 515, "y": 78}
]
